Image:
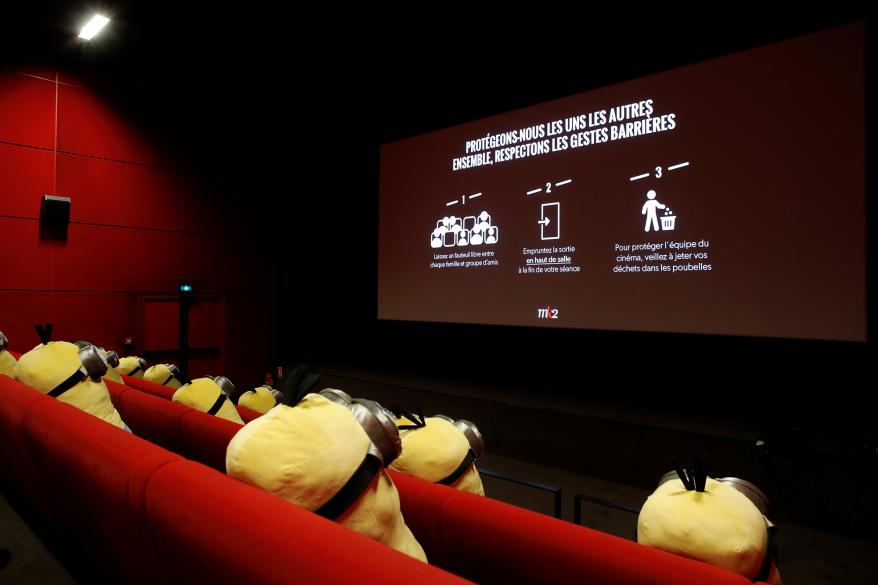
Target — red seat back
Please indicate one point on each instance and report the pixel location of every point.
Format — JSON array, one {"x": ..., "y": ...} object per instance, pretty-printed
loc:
[
  {"x": 520, "y": 546},
  {"x": 149, "y": 387},
  {"x": 98, "y": 473},
  {"x": 16, "y": 463},
  {"x": 199, "y": 516},
  {"x": 247, "y": 414},
  {"x": 205, "y": 438},
  {"x": 514, "y": 545},
  {"x": 152, "y": 418},
  {"x": 145, "y": 515}
]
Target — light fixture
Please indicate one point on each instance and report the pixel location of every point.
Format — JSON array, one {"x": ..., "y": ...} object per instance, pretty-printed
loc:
[{"x": 93, "y": 27}]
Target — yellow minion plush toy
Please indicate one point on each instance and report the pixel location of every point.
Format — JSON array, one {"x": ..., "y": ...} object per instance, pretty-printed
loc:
[
  {"x": 69, "y": 373},
  {"x": 717, "y": 521},
  {"x": 165, "y": 375},
  {"x": 210, "y": 395},
  {"x": 112, "y": 365},
  {"x": 329, "y": 458},
  {"x": 132, "y": 366},
  {"x": 440, "y": 450},
  {"x": 261, "y": 399},
  {"x": 7, "y": 361},
  {"x": 112, "y": 359}
]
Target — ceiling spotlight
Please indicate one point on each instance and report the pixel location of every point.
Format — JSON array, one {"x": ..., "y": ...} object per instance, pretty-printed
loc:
[{"x": 93, "y": 27}]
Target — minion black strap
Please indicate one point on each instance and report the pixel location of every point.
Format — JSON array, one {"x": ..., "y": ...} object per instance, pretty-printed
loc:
[
  {"x": 67, "y": 384},
  {"x": 134, "y": 371},
  {"x": 218, "y": 404},
  {"x": 169, "y": 378},
  {"x": 461, "y": 469},
  {"x": 351, "y": 490}
]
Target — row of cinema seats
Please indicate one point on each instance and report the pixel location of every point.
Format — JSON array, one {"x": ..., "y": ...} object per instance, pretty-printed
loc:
[
  {"x": 477, "y": 538},
  {"x": 247, "y": 414},
  {"x": 142, "y": 514}
]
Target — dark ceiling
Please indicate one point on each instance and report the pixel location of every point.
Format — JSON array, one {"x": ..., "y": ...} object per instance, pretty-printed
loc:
[
  {"x": 231, "y": 90},
  {"x": 406, "y": 70}
]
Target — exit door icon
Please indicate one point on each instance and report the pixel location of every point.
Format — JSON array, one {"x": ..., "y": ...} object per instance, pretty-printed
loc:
[{"x": 550, "y": 221}]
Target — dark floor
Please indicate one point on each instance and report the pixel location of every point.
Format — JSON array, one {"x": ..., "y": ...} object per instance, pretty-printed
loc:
[
  {"x": 807, "y": 556},
  {"x": 31, "y": 562}
]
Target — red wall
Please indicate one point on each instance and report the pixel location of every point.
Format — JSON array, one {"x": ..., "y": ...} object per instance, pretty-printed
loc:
[{"x": 136, "y": 226}]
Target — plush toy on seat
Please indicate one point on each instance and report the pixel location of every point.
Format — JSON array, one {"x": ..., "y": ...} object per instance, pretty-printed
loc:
[
  {"x": 112, "y": 365},
  {"x": 165, "y": 375},
  {"x": 328, "y": 458},
  {"x": 7, "y": 360},
  {"x": 210, "y": 395},
  {"x": 261, "y": 399},
  {"x": 132, "y": 366},
  {"x": 717, "y": 521},
  {"x": 70, "y": 374},
  {"x": 111, "y": 357},
  {"x": 440, "y": 450}
]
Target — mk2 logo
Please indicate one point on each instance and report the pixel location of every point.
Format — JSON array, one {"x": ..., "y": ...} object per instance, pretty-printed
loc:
[{"x": 547, "y": 313}]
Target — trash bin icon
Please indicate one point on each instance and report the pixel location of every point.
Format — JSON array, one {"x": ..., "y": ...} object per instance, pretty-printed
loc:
[{"x": 668, "y": 222}]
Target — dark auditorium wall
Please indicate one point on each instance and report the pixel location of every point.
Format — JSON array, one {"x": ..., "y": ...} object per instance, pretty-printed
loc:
[
  {"x": 773, "y": 382},
  {"x": 574, "y": 399},
  {"x": 139, "y": 224}
]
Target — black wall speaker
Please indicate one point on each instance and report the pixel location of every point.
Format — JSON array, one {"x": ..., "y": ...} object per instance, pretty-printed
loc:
[{"x": 54, "y": 217}]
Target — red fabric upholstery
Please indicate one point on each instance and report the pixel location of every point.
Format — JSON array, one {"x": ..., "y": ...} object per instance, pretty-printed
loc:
[
  {"x": 205, "y": 438},
  {"x": 149, "y": 417},
  {"x": 15, "y": 354},
  {"x": 525, "y": 547},
  {"x": 247, "y": 414},
  {"x": 16, "y": 463},
  {"x": 237, "y": 519},
  {"x": 116, "y": 390},
  {"x": 98, "y": 473},
  {"x": 145, "y": 515},
  {"x": 189, "y": 432},
  {"x": 14, "y": 404},
  {"x": 149, "y": 387},
  {"x": 483, "y": 539}
]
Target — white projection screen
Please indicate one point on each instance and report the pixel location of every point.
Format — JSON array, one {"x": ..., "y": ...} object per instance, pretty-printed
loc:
[{"x": 726, "y": 197}]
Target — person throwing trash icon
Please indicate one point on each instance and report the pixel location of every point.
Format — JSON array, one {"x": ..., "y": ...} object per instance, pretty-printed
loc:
[{"x": 649, "y": 210}]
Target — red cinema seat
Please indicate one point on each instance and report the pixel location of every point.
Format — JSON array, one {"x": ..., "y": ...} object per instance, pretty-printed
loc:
[
  {"x": 247, "y": 414},
  {"x": 145, "y": 515},
  {"x": 99, "y": 473},
  {"x": 150, "y": 417},
  {"x": 116, "y": 390},
  {"x": 16, "y": 463},
  {"x": 199, "y": 516},
  {"x": 520, "y": 546},
  {"x": 149, "y": 387},
  {"x": 193, "y": 434},
  {"x": 205, "y": 438},
  {"x": 488, "y": 541},
  {"x": 15, "y": 400}
]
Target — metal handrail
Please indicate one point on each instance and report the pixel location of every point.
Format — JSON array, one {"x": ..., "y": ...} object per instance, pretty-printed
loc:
[{"x": 532, "y": 484}]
